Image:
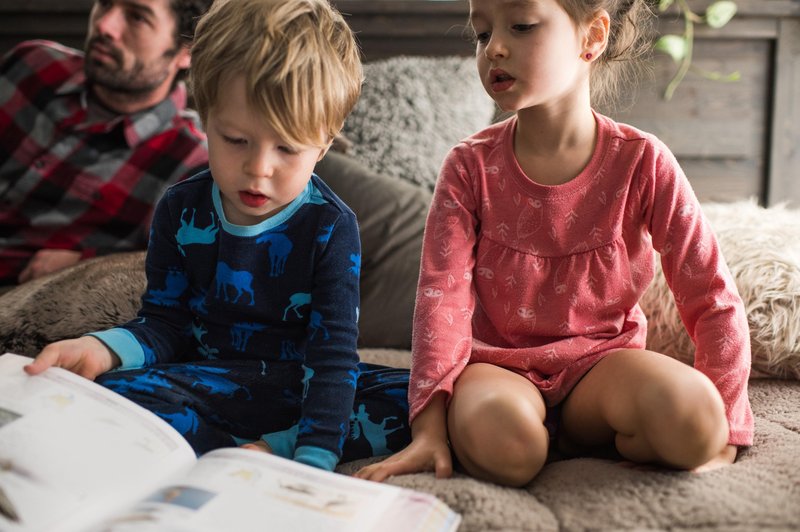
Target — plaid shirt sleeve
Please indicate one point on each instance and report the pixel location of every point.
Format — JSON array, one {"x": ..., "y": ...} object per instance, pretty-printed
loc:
[{"x": 70, "y": 181}]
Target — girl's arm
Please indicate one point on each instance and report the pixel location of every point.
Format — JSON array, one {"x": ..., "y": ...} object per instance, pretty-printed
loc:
[
  {"x": 705, "y": 293},
  {"x": 428, "y": 450}
]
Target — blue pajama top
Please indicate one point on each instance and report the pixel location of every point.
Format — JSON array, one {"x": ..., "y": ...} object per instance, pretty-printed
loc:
[{"x": 282, "y": 290}]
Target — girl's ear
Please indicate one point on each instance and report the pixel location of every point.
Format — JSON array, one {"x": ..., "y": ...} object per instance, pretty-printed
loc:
[{"x": 596, "y": 38}]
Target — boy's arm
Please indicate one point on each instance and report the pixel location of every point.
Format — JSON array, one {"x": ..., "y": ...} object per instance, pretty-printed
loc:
[
  {"x": 331, "y": 361},
  {"x": 160, "y": 331}
]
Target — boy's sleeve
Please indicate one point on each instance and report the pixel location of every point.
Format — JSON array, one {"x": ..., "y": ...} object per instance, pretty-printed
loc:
[
  {"x": 330, "y": 368},
  {"x": 162, "y": 328}
]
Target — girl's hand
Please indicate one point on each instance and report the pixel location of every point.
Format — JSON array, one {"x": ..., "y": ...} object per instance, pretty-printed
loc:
[
  {"x": 725, "y": 458},
  {"x": 87, "y": 356},
  {"x": 258, "y": 445},
  {"x": 422, "y": 454}
]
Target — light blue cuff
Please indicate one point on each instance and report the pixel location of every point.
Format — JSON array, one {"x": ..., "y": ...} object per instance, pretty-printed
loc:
[
  {"x": 124, "y": 344},
  {"x": 316, "y": 457},
  {"x": 282, "y": 442}
]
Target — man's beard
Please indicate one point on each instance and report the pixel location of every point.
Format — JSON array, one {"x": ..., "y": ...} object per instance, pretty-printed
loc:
[{"x": 140, "y": 80}]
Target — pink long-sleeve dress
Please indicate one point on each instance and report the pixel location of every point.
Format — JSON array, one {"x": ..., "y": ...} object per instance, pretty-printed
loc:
[{"x": 545, "y": 280}]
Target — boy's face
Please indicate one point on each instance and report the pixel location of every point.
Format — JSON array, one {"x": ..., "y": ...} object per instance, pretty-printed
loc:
[{"x": 257, "y": 172}]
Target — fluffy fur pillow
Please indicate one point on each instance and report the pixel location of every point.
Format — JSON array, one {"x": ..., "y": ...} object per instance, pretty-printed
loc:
[
  {"x": 762, "y": 249},
  {"x": 93, "y": 295},
  {"x": 412, "y": 110}
]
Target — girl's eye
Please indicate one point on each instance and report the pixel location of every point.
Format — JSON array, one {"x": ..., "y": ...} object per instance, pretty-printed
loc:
[
  {"x": 482, "y": 37},
  {"x": 523, "y": 27},
  {"x": 288, "y": 150}
]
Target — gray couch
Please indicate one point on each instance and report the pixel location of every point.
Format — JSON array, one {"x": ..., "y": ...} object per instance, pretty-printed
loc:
[{"x": 399, "y": 136}]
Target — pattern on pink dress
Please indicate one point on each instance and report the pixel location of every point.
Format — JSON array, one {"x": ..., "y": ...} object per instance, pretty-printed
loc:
[{"x": 545, "y": 280}]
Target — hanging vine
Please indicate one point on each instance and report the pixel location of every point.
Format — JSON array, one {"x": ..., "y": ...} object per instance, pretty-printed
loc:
[{"x": 680, "y": 47}]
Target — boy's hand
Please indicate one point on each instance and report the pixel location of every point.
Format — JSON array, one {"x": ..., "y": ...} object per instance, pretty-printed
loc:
[
  {"x": 258, "y": 445},
  {"x": 87, "y": 356}
]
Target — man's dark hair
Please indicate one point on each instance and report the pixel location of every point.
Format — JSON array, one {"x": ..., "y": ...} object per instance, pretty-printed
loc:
[{"x": 187, "y": 13}]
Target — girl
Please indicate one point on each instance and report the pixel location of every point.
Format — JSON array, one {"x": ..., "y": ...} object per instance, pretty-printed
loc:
[{"x": 538, "y": 246}]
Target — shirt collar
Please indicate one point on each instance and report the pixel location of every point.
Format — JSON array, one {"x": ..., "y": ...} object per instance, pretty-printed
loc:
[{"x": 138, "y": 126}]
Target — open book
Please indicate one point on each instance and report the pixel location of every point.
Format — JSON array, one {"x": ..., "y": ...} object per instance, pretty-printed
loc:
[{"x": 77, "y": 457}]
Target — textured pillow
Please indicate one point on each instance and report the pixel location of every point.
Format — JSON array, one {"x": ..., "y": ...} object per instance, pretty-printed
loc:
[
  {"x": 412, "y": 110},
  {"x": 92, "y": 295},
  {"x": 762, "y": 249},
  {"x": 391, "y": 217}
]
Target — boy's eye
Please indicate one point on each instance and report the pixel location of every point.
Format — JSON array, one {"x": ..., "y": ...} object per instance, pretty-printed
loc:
[
  {"x": 233, "y": 140},
  {"x": 523, "y": 27},
  {"x": 288, "y": 150}
]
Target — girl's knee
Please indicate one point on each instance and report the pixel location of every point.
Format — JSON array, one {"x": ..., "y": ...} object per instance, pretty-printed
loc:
[
  {"x": 503, "y": 441},
  {"x": 694, "y": 424}
]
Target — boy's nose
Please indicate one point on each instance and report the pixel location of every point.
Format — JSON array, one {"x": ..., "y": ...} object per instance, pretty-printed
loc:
[{"x": 259, "y": 164}]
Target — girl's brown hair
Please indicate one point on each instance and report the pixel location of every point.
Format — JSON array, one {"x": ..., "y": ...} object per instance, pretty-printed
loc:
[{"x": 630, "y": 38}]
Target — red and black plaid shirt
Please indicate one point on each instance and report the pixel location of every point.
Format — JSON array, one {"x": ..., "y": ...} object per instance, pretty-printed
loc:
[{"x": 71, "y": 182}]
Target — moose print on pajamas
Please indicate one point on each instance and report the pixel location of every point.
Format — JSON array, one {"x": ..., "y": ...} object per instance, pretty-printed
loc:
[{"x": 247, "y": 330}]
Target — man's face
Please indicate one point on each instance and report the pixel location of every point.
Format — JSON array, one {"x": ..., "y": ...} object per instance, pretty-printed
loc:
[{"x": 131, "y": 47}]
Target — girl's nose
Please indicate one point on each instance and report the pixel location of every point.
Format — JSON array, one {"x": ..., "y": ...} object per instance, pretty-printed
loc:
[{"x": 495, "y": 47}]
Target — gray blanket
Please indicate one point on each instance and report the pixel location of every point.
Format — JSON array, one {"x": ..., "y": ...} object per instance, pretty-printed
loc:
[{"x": 761, "y": 491}]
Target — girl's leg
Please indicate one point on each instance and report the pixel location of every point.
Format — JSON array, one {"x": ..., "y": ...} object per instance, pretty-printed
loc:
[
  {"x": 652, "y": 407},
  {"x": 496, "y": 425}
]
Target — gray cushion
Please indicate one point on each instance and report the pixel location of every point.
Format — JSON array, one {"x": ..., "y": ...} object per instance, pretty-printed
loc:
[
  {"x": 412, "y": 110},
  {"x": 391, "y": 216}
]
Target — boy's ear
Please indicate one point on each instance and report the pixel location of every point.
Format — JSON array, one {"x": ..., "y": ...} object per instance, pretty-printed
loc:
[
  {"x": 596, "y": 38},
  {"x": 324, "y": 151}
]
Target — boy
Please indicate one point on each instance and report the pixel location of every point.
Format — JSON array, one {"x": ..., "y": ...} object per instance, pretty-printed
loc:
[{"x": 248, "y": 326}]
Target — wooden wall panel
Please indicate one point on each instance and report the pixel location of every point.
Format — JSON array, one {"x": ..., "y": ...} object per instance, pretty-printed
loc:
[{"x": 734, "y": 140}]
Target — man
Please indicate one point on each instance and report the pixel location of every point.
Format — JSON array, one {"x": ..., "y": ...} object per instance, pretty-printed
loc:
[{"x": 88, "y": 143}]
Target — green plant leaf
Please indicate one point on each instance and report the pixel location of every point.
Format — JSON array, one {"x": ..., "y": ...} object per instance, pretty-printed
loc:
[
  {"x": 673, "y": 45},
  {"x": 663, "y": 5},
  {"x": 720, "y": 13}
]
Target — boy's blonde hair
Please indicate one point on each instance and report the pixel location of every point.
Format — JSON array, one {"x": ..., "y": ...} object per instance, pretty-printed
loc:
[{"x": 299, "y": 59}]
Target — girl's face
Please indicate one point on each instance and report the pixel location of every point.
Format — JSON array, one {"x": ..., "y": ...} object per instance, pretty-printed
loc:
[{"x": 529, "y": 52}]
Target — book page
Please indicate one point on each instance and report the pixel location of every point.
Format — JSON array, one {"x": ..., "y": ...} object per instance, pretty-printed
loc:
[
  {"x": 244, "y": 490},
  {"x": 72, "y": 451}
]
